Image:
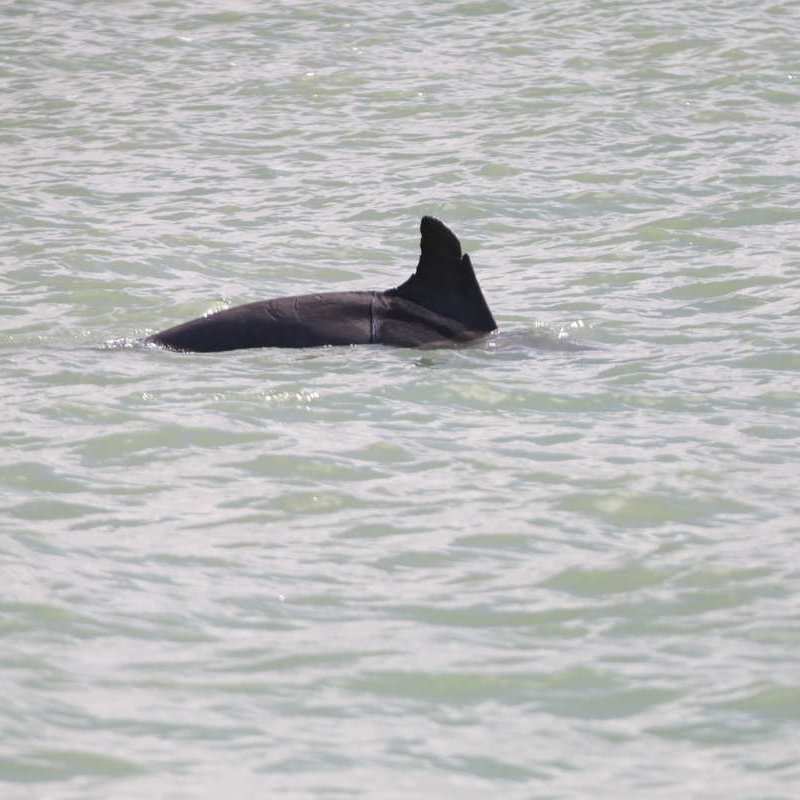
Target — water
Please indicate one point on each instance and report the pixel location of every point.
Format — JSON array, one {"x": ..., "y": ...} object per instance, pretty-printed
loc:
[{"x": 519, "y": 569}]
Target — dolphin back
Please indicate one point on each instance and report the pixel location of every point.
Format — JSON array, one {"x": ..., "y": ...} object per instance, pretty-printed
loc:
[
  {"x": 310, "y": 320},
  {"x": 440, "y": 304}
]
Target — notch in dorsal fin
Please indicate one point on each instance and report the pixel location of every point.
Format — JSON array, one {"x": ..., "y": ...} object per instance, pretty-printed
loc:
[
  {"x": 438, "y": 245},
  {"x": 444, "y": 281}
]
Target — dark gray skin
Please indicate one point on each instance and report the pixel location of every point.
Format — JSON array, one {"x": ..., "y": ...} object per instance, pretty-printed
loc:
[{"x": 440, "y": 305}]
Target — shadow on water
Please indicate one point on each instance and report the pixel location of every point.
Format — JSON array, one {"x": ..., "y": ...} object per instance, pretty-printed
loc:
[
  {"x": 514, "y": 341},
  {"x": 538, "y": 338},
  {"x": 514, "y": 344}
]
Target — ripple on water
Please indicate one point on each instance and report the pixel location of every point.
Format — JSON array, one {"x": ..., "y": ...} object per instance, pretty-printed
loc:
[{"x": 557, "y": 562}]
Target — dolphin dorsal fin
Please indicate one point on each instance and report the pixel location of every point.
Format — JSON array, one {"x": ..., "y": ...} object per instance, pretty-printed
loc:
[{"x": 444, "y": 281}]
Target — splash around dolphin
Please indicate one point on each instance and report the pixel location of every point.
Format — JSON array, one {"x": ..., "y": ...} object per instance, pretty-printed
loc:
[{"x": 440, "y": 305}]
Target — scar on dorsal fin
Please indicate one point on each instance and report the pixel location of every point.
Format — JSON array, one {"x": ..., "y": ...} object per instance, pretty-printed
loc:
[{"x": 444, "y": 280}]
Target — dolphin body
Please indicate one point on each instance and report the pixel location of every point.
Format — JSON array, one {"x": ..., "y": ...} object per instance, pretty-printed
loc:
[{"x": 441, "y": 304}]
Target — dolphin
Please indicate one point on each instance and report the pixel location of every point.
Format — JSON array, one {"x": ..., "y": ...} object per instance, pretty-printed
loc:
[{"x": 440, "y": 305}]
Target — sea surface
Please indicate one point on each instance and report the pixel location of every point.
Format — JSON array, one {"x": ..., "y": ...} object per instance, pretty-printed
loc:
[{"x": 560, "y": 563}]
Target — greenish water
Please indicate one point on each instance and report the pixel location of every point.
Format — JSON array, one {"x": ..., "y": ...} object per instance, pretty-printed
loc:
[{"x": 518, "y": 569}]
